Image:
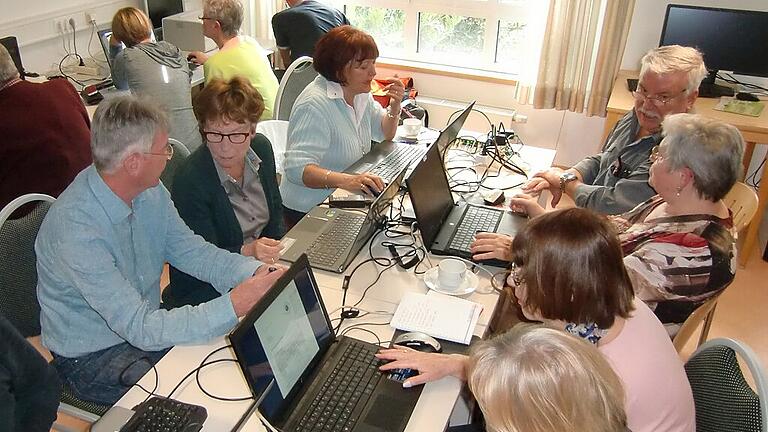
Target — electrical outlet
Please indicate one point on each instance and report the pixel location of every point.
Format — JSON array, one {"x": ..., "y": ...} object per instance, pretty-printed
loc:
[
  {"x": 90, "y": 17},
  {"x": 60, "y": 25}
]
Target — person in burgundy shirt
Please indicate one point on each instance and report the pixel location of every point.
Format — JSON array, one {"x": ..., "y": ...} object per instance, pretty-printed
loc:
[{"x": 44, "y": 134}]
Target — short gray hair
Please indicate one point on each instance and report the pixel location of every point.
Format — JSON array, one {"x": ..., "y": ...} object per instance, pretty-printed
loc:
[
  {"x": 8, "y": 70},
  {"x": 124, "y": 125},
  {"x": 676, "y": 58},
  {"x": 711, "y": 149},
  {"x": 229, "y": 14},
  {"x": 537, "y": 379}
]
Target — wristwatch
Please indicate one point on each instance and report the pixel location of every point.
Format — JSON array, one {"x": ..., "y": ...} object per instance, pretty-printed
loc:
[{"x": 566, "y": 178}]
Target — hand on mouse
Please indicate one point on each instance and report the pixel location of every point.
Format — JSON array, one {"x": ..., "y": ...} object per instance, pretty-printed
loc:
[{"x": 431, "y": 366}]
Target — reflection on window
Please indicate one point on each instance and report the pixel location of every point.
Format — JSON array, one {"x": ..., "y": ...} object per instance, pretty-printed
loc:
[
  {"x": 444, "y": 36},
  {"x": 511, "y": 43},
  {"x": 384, "y": 24}
]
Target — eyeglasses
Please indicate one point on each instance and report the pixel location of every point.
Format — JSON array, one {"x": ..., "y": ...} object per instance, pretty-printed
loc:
[
  {"x": 203, "y": 18},
  {"x": 168, "y": 153},
  {"x": 620, "y": 169},
  {"x": 658, "y": 100},
  {"x": 655, "y": 154},
  {"x": 234, "y": 138},
  {"x": 516, "y": 272}
]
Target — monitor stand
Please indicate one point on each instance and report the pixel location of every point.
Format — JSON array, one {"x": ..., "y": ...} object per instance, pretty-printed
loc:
[{"x": 708, "y": 88}]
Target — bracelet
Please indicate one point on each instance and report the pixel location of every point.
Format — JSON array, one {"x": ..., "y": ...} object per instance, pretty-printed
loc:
[
  {"x": 390, "y": 114},
  {"x": 325, "y": 179}
]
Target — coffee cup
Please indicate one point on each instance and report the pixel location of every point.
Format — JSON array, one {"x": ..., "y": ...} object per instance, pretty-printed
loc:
[
  {"x": 412, "y": 126},
  {"x": 450, "y": 274}
]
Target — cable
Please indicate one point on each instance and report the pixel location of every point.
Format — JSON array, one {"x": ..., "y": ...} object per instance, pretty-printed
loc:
[
  {"x": 74, "y": 40},
  {"x": 64, "y": 74},
  {"x": 121, "y": 378}
]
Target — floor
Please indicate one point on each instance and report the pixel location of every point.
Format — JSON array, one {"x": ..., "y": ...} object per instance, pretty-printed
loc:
[{"x": 737, "y": 316}]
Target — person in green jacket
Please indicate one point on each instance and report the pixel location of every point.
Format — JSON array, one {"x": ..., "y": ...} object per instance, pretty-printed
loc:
[{"x": 226, "y": 191}]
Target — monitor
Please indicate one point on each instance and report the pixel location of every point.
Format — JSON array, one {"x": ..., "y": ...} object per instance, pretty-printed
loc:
[
  {"x": 731, "y": 40},
  {"x": 12, "y": 45},
  {"x": 159, "y": 9}
]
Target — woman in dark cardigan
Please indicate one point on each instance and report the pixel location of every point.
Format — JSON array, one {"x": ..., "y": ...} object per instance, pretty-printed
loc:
[{"x": 226, "y": 191}]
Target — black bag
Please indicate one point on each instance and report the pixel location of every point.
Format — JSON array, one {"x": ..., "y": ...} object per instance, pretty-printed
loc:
[{"x": 411, "y": 110}]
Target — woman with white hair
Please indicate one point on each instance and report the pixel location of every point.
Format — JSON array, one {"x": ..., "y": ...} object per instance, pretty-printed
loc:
[
  {"x": 680, "y": 245},
  {"x": 238, "y": 55},
  {"x": 537, "y": 379}
]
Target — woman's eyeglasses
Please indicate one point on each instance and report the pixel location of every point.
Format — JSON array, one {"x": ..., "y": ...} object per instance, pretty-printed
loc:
[{"x": 234, "y": 138}]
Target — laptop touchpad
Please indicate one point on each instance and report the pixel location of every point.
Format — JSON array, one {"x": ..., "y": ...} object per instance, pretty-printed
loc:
[
  {"x": 398, "y": 410},
  {"x": 312, "y": 224}
]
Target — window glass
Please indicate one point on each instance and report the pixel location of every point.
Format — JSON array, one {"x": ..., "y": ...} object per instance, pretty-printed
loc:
[
  {"x": 386, "y": 25},
  {"x": 443, "y": 36}
]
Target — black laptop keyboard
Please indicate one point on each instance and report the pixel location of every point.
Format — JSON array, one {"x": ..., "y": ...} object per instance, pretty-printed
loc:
[
  {"x": 345, "y": 393},
  {"x": 327, "y": 248},
  {"x": 400, "y": 158},
  {"x": 161, "y": 414},
  {"x": 475, "y": 219}
]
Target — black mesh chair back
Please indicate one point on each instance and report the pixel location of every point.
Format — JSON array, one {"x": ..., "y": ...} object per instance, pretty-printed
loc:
[
  {"x": 724, "y": 400},
  {"x": 297, "y": 77},
  {"x": 18, "y": 274},
  {"x": 180, "y": 152}
]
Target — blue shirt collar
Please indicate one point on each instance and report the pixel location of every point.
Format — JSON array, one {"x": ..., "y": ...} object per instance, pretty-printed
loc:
[{"x": 115, "y": 208}]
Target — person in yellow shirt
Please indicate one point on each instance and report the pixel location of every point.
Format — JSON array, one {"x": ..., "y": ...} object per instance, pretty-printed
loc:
[{"x": 238, "y": 55}]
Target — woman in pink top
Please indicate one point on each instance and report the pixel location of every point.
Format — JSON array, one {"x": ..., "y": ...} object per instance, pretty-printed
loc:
[{"x": 567, "y": 271}]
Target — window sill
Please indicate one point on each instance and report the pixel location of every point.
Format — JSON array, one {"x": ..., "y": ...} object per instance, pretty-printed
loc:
[{"x": 449, "y": 71}]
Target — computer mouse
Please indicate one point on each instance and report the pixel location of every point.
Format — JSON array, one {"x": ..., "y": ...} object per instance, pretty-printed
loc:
[
  {"x": 493, "y": 197},
  {"x": 747, "y": 97},
  {"x": 419, "y": 341}
]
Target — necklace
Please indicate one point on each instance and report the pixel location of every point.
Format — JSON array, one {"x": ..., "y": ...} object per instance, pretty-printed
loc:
[{"x": 10, "y": 83}]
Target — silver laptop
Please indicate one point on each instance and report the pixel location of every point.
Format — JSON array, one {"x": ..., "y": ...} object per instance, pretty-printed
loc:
[{"x": 332, "y": 237}]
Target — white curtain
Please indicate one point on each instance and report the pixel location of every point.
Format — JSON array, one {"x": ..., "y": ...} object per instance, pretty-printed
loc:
[{"x": 261, "y": 23}]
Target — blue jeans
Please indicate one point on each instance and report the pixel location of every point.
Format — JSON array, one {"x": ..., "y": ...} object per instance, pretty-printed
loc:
[{"x": 105, "y": 376}]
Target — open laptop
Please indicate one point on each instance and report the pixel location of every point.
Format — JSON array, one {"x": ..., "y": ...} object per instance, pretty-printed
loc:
[
  {"x": 307, "y": 378},
  {"x": 12, "y": 45},
  {"x": 448, "y": 227},
  {"x": 104, "y": 36},
  {"x": 388, "y": 158},
  {"x": 332, "y": 237}
]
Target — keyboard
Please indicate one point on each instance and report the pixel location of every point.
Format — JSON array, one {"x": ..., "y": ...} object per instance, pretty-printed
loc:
[
  {"x": 389, "y": 167},
  {"x": 327, "y": 248},
  {"x": 162, "y": 414},
  {"x": 344, "y": 394},
  {"x": 475, "y": 219}
]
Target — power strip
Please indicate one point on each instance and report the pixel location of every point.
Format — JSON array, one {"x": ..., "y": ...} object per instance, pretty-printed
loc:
[{"x": 83, "y": 70}]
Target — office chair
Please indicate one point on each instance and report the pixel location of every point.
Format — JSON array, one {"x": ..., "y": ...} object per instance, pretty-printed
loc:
[
  {"x": 277, "y": 133},
  {"x": 724, "y": 400},
  {"x": 18, "y": 285},
  {"x": 700, "y": 315},
  {"x": 297, "y": 77},
  {"x": 180, "y": 152}
]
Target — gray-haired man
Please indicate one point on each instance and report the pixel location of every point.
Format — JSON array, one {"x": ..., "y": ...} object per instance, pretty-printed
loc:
[{"x": 100, "y": 253}]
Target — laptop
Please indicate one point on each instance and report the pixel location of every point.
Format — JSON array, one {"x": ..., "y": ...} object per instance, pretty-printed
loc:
[
  {"x": 12, "y": 45},
  {"x": 388, "y": 158},
  {"x": 448, "y": 227},
  {"x": 307, "y": 378},
  {"x": 332, "y": 237}
]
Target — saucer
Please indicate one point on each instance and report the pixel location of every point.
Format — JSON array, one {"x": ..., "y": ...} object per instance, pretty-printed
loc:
[{"x": 468, "y": 285}]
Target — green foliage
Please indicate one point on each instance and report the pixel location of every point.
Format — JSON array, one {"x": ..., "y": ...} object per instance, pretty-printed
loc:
[
  {"x": 387, "y": 26},
  {"x": 450, "y": 33}
]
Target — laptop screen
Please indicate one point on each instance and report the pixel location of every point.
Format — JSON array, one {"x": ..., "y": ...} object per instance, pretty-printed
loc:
[
  {"x": 283, "y": 338},
  {"x": 104, "y": 36},
  {"x": 12, "y": 45}
]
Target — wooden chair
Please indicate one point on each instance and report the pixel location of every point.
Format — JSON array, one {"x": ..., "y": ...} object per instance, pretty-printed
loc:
[{"x": 742, "y": 202}]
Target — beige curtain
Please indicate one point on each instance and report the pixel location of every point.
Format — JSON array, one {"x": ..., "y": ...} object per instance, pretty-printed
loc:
[
  {"x": 263, "y": 10},
  {"x": 581, "y": 55}
]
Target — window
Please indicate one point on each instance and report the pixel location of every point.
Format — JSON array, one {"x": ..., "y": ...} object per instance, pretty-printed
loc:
[{"x": 500, "y": 36}]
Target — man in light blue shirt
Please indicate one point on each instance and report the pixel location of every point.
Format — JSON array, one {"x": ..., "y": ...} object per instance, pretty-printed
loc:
[{"x": 100, "y": 253}]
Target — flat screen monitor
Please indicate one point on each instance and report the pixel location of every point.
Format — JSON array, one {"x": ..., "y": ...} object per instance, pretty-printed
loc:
[
  {"x": 159, "y": 9},
  {"x": 731, "y": 40},
  {"x": 12, "y": 45}
]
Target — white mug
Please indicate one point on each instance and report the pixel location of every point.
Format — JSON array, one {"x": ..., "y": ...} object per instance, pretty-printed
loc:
[
  {"x": 412, "y": 126},
  {"x": 450, "y": 273}
]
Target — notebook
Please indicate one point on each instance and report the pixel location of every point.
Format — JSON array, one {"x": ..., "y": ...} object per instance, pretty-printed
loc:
[
  {"x": 332, "y": 237},
  {"x": 295, "y": 364},
  {"x": 438, "y": 315},
  {"x": 448, "y": 227}
]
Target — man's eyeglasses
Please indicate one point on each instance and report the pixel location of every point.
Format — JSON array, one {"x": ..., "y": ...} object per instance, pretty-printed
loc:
[
  {"x": 658, "y": 100},
  {"x": 203, "y": 18},
  {"x": 168, "y": 153},
  {"x": 234, "y": 138}
]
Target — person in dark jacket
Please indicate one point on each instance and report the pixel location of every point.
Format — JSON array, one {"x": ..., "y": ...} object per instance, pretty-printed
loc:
[
  {"x": 226, "y": 191},
  {"x": 29, "y": 386}
]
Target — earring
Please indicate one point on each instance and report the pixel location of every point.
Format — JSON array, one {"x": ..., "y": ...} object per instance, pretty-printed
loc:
[{"x": 678, "y": 191}]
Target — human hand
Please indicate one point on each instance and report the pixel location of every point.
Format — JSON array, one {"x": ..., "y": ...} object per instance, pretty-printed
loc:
[
  {"x": 491, "y": 246},
  {"x": 197, "y": 57},
  {"x": 523, "y": 203},
  {"x": 366, "y": 183},
  {"x": 431, "y": 366},
  {"x": 535, "y": 185},
  {"x": 251, "y": 290},
  {"x": 395, "y": 90},
  {"x": 263, "y": 249}
]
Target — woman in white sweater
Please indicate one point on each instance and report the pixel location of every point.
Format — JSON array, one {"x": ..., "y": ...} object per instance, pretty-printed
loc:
[{"x": 334, "y": 121}]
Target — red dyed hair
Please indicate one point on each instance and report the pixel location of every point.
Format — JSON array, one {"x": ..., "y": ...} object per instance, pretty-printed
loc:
[{"x": 339, "y": 47}]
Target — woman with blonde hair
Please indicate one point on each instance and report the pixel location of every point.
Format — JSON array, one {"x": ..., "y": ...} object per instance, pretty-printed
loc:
[
  {"x": 157, "y": 70},
  {"x": 537, "y": 379}
]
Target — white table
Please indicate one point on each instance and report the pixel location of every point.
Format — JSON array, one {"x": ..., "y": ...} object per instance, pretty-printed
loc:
[{"x": 437, "y": 400}]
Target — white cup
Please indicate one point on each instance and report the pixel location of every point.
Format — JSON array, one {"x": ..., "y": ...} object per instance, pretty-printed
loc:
[
  {"x": 412, "y": 126},
  {"x": 450, "y": 273}
]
